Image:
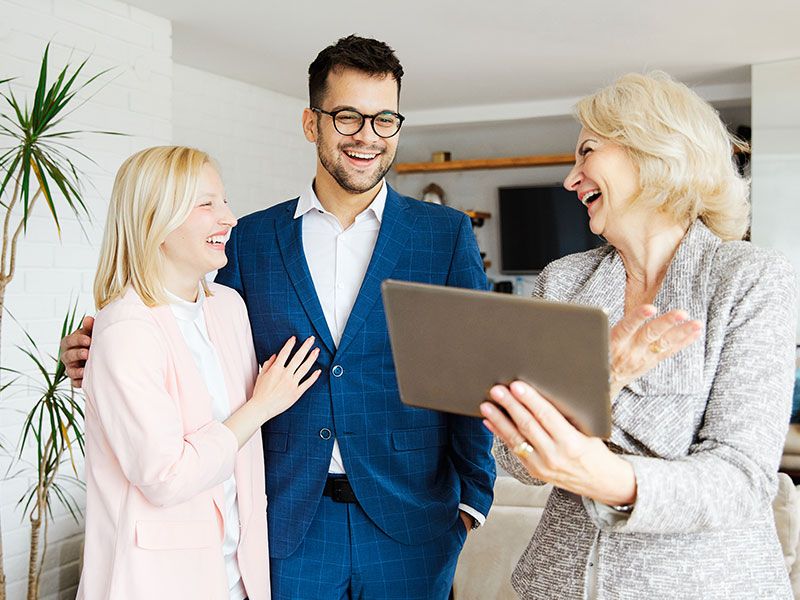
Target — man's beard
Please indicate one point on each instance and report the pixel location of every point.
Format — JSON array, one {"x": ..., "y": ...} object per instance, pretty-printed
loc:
[{"x": 346, "y": 180}]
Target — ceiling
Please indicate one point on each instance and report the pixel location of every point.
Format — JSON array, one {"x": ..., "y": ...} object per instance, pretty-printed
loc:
[{"x": 490, "y": 55}]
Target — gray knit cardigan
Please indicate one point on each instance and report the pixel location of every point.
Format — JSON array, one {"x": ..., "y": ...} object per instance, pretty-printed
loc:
[{"x": 704, "y": 432}]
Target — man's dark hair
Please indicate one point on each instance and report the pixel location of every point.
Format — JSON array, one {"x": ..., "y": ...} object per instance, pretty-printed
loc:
[{"x": 364, "y": 54}]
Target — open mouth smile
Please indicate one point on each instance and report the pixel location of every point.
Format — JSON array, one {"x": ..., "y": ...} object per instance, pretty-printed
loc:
[
  {"x": 590, "y": 196},
  {"x": 361, "y": 158},
  {"x": 217, "y": 241}
]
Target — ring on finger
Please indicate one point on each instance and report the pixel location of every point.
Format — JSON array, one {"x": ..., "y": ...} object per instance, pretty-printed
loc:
[
  {"x": 523, "y": 449},
  {"x": 658, "y": 346}
]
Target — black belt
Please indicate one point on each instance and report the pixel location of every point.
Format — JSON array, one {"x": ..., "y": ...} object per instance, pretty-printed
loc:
[{"x": 339, "y": 490}]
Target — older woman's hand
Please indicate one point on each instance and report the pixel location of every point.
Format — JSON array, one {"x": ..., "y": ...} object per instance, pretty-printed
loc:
[
  {"x": 553, "y": 450},
  {"x": 638, "y": 344}
]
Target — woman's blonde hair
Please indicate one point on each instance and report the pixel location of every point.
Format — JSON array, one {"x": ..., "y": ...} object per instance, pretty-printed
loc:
[
  {"x": 682, "y": 149},
  {"x": 154, "y": 192}
]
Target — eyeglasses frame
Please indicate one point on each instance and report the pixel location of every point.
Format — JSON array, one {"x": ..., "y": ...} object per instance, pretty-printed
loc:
[{"x": 333, "y": 113}]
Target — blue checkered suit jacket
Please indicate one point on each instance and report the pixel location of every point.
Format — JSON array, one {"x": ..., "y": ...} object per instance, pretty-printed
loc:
[{"x": 409, "y": 467}]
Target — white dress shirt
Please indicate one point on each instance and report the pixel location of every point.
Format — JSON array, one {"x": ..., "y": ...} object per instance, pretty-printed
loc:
[
  {"x": 192, "y": 325},
  {"x": 337, "y": 260}
]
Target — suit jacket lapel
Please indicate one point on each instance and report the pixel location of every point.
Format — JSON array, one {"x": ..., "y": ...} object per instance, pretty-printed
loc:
[
  {"x": 289, "y": 232},
  {"x": 396, "y": 227}
]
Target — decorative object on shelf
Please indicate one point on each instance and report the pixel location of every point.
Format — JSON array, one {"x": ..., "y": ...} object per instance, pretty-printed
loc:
[
  {"x": 433, "y": 193},
  {"x": 504, "y": 287},
  {"x": 519, "y": 286},
  {"x": 440, "y": 156},
  {"x": 478, "y": 217}
]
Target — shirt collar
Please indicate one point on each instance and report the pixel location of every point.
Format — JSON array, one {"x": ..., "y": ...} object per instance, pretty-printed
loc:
[
  {"x": 185, "y": 310},
  {"x": 309, "y": 201}
]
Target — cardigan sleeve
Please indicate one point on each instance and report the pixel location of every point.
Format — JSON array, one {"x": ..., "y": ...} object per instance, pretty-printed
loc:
[
  {"x": 730, "y": 473},
  {"x": 142, "y": 421}
]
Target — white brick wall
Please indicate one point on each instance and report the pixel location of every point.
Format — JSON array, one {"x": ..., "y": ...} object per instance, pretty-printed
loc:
[
  {"x": 254, "y": 134},
  {"x": 138, "y": 102}
]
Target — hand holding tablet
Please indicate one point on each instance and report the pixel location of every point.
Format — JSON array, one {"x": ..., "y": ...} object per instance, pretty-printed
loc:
[{"x": 451, "y": 345}]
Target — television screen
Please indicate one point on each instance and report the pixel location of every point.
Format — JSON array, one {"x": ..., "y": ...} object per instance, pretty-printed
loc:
[{"x": 539, "y": 225}]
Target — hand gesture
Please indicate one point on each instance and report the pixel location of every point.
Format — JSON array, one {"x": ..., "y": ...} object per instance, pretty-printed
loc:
[
  {"x": 280, "y": 381},
  {"x": 638, "y": 344},
  {"x": 74, "y": 351}
]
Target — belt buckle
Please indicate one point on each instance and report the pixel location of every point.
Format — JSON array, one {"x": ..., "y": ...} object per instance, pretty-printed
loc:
[{"x": 342, "y": 491}]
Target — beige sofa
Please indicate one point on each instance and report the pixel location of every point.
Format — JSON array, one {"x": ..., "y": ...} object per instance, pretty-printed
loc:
[
  {"x": 489, "y": 556},
  {"x": 790, "y": 462}
]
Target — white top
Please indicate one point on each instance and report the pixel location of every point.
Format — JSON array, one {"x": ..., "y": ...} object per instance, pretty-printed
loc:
[
  {"x": 192, "y": 324},
  {"x": 337, "y": 260}
]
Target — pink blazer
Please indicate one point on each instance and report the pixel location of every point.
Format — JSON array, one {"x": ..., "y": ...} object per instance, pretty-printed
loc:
[{"x": 156, "y": 460}]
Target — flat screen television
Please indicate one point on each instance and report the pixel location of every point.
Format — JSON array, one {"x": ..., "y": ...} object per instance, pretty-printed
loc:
[{"x": 539, "y": 225}]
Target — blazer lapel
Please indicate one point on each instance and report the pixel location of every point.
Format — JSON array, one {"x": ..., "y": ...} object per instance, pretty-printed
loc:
[
  {"x": 289, "y": 232},
  {"x": 605, "y": 288},
  {"x": 396, "y": 228},
  {"x": 191, "y": 380},
  {"x": 228, "y": 355},
  {"x": 682, "y": 287},
  {"x": 685, "y": 286}
]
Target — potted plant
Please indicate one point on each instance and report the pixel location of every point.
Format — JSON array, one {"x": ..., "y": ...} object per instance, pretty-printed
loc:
[
  {"x": 36, "y": 167},
  {"x": 55, "y": 425}
]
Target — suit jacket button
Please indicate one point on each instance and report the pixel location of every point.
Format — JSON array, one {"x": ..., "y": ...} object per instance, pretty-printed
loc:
[
  {"x": 337, "y": 371},
  {"x": 325, "y": 433}
]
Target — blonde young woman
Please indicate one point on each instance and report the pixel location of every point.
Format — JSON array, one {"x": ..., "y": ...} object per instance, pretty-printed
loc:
[
  {"x": 677, "y": 504},
  {"x": 174, "y": 465}
]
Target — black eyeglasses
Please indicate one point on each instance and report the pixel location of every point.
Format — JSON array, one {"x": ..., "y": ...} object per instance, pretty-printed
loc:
[{"x": 349, "y": 122}]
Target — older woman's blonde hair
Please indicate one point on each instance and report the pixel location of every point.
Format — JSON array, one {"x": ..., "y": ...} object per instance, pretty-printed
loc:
[
  {"x": 153, "y": 194},
  {"x": 680, "y": 146}
]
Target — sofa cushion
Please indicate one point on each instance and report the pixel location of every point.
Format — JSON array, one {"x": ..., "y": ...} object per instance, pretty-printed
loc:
[
  {"x": 785, "y": 507},
  {"x": 510, "y": 492},
  {"x": 492, "y": 551}
]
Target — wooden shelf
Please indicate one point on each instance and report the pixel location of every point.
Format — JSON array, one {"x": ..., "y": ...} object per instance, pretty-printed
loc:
[{"x": 511, "y": 162}]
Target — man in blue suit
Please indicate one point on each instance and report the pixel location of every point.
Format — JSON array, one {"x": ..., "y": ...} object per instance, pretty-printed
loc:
[{"x": 368, "y": 498}]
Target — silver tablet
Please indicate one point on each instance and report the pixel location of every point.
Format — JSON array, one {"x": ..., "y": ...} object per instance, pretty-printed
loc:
[{"x": 451, "y": 345}]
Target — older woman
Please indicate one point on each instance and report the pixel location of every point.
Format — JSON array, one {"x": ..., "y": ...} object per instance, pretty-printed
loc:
[{"x": 677, "y": 503}]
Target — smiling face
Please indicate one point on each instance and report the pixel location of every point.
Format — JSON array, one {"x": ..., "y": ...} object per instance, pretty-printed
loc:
[
  {"x": 197, "y": 246},
  {"x": 606, "y": 181},
  {"x": 355, "y": 163}
]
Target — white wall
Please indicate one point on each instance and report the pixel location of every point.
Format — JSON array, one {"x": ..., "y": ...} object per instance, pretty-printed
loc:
[
  {"x": 776, "y": 158},
  {"x": 138, "y": 101},
  {"x": 478, "y": 190},
  {"x": 253, "y": 133}
]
